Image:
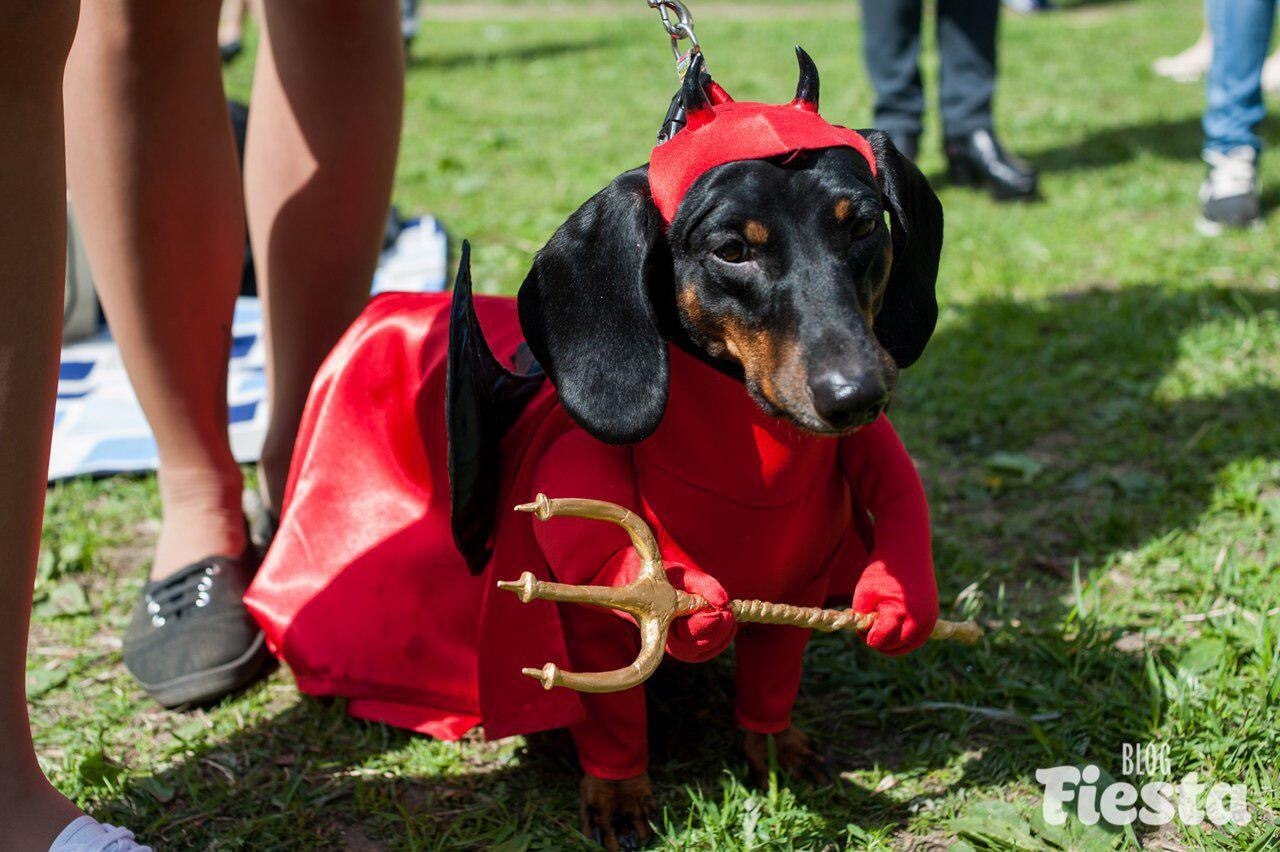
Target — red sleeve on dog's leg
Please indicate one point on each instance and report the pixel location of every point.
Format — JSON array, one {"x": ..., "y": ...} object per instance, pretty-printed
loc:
[
  {"x": 582, "y": 551},
  {"x": 612, "y": 742},
  {"x": 898, "y": 582},
  {"x": 767, "y": 676}
]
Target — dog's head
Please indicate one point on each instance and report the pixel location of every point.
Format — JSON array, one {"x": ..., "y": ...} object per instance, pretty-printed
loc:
[{"x": 782, "y": 271}]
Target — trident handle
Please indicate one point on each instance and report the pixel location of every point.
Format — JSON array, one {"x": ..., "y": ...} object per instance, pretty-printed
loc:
[{"x": 655, "y": 603}]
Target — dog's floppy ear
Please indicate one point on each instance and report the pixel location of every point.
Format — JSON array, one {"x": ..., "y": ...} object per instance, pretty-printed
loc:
[
  {"x": 587, "y": 312},
  {"x": 909, "y": 309}
]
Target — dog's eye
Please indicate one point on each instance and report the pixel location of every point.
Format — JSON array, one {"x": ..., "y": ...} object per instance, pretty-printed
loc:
[
  {"x": 732, "y": 251},
  {"x": 863, "y": 228}
]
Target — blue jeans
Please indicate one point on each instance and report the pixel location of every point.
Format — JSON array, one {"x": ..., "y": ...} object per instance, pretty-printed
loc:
[{"x": 1241, "y": 32}]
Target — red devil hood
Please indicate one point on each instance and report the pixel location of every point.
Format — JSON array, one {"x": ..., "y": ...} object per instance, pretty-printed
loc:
[{"x": 720, "y": 130}]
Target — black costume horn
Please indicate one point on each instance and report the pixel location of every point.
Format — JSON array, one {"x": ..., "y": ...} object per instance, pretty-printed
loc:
[
  {"x": 691, "y": 90},
  {"x": 807, "y": 87}
]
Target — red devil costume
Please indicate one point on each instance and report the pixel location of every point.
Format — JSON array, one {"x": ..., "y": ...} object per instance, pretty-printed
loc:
[{"x": 420, "y": 435}]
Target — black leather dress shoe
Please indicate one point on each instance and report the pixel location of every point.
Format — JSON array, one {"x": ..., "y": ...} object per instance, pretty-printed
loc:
[
  {"x": 979, "y": 160},
  {"x": 191, "y": 640}
]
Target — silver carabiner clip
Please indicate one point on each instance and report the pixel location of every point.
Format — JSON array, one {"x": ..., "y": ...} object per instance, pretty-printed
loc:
[
  {"x": 678, "y": 29},
  {"x": 682, "y": 26}
]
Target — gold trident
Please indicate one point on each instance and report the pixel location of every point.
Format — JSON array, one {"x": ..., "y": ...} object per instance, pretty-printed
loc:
[{"x": 655, "y": 603}]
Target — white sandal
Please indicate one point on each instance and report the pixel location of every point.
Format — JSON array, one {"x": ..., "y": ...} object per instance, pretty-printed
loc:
[{"x": 86, "y": 834}]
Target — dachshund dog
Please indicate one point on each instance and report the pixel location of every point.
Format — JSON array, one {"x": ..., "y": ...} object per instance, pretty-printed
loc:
[
  {"x": 720, "y": 359},
  {"x": 781, "y": 273}
]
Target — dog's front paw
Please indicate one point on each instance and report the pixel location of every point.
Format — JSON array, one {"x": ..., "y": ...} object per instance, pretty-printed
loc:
[
  {"x": 795, "y": 754},
  {"x": 616, "y": 814}
]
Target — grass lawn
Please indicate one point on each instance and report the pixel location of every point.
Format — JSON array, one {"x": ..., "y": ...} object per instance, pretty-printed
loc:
[{"x": 1096, "y": 421}]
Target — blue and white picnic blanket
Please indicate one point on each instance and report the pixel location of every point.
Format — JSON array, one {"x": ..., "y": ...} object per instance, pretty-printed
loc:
[{"x": 98, "y": 425}]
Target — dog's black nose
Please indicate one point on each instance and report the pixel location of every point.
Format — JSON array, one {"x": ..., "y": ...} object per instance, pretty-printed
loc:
[{"x": 847, "y": 401}]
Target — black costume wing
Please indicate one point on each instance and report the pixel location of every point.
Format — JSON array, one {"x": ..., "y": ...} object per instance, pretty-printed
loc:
[{"x": 482, "y": 400}]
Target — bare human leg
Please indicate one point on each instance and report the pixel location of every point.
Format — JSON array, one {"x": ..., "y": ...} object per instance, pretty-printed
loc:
[
  {"x": 152, "y": 168},
  {"x": 324, "y": 129},
  {"x": 153, "y": 174},
  {"x": 34, "y": 38}
]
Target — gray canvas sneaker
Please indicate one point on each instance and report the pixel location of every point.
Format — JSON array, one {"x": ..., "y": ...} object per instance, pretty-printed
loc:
[{"x": 191, "y": 640}]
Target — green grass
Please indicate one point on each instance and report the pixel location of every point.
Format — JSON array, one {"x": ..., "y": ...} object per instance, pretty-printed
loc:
[{"x": 1096, "y": 421}]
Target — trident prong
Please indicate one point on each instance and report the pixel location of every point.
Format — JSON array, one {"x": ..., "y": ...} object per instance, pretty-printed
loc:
[
  {"x": 655, "y": 603},
  {"x": 650, "y": 598},
  {"x": 544, "y": 508}
]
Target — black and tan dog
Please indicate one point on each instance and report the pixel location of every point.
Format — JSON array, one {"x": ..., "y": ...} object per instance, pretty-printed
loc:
[
  {"x": 782, "y": 273},
  {"x": 719, "y": 367}
]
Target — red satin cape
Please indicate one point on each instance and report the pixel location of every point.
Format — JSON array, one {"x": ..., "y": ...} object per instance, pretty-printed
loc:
[{"x": 364, "y": 595}]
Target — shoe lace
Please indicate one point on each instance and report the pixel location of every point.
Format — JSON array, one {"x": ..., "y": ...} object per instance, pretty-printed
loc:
[
  {"x": 1231, "y": 174},
  {"x": 184, "y": 591}
]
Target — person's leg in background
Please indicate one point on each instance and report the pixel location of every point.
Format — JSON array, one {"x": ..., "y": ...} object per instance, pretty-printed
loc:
[
  {"x": 409, "y": 24},
  {"x": 32, "y": 261},
  {"x": 1241, "y": 32},
  {"x": 153, "y": 174},
  {"x": 35, "y": 36},
  {"x": 967, "y": 53},
  {"x": 967, "y": 59},
  {"x": 891, "y": 48},
  {"x": 231, "y": 28},
  {"x": 324, "y": 130}
]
